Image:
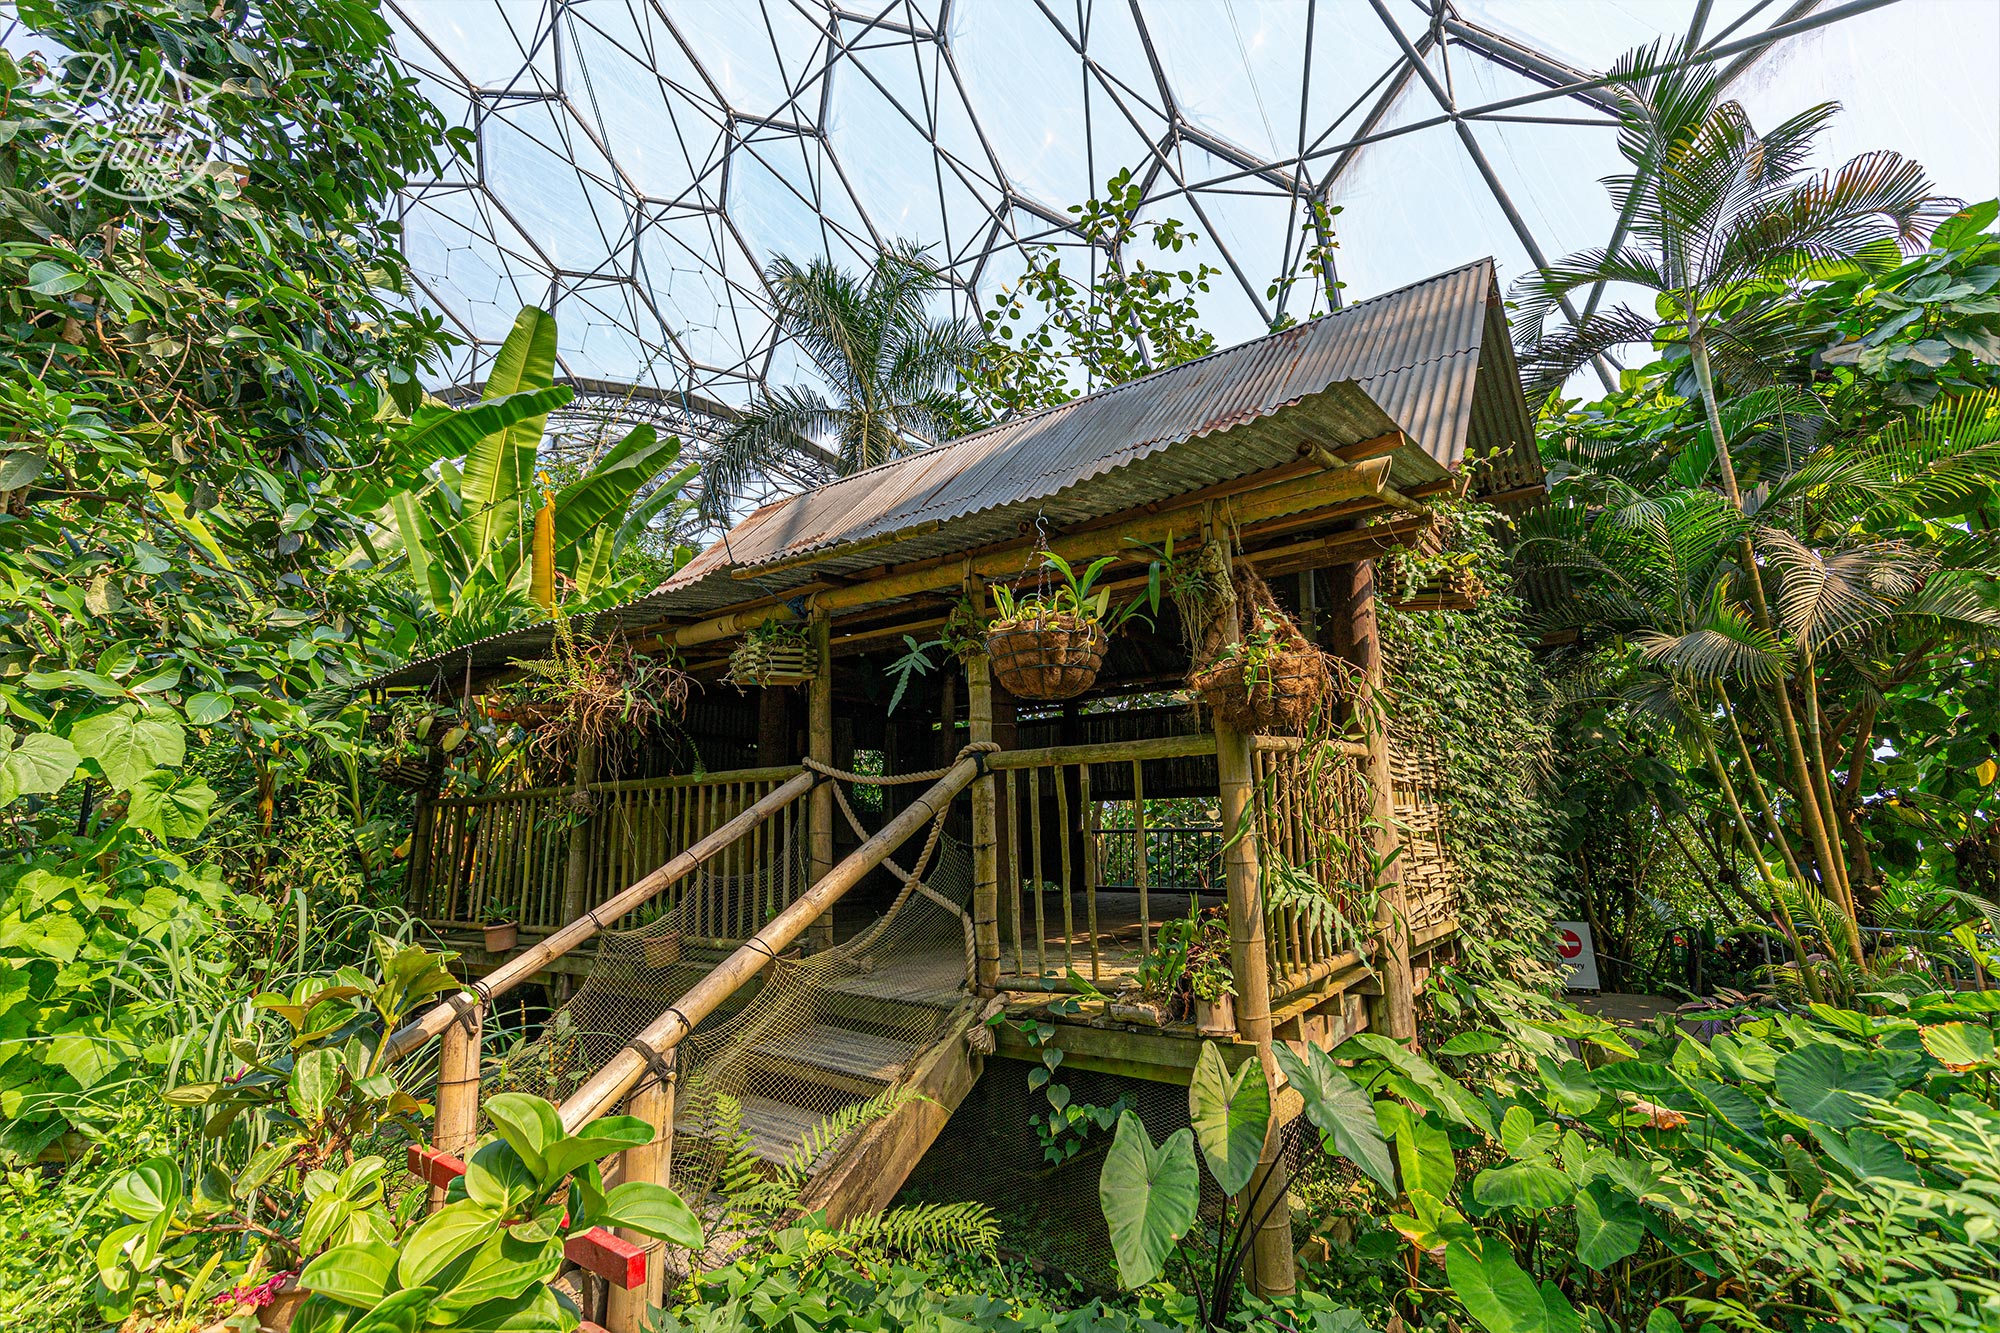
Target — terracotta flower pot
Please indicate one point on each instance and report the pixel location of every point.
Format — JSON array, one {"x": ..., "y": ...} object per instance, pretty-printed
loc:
[
  {"x": 663, "y": 950},
  {"x": 501, "y": 936}
]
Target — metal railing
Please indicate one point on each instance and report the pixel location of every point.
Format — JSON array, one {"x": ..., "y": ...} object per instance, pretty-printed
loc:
[{"x": 1186, "y": 857}]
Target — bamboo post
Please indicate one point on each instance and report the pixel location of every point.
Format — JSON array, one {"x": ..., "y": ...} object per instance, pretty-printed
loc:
[
  {"x": 819, "y": 745},
  {"x": 456, "y": 1127},
  {"x": 1357, "y": 639},
  {"x": 420, "y": 895},
  {"x": 985, "y": 831},
  {"x": 1270, "y": 1269},
  {"x": 653, "y": 1102},
  {"x": 576, "y": 870}
]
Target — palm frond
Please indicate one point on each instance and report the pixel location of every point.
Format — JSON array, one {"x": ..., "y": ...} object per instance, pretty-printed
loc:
[
  {"x": 1825, "y": 593},
  {"x": 1724, "y": 646}
]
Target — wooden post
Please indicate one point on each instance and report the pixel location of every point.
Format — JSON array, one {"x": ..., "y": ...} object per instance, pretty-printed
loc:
[
  {"x": 653, "y": 1102},
  {"x": 576, "y": 872},
  {"x": 1270, "y": 1269},
  {"x": 985, "y": 831},
  {"x": 819, "y": 745},
  {"x": 423, "y": 823},
  {"x": 456, "y": 1128},
  {"x": 1355, "y": 636},
  {"x": 774, "y": 727}
]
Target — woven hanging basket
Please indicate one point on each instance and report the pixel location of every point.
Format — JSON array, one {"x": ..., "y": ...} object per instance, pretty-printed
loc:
[
  {"x": 772, "y": 662},
  {"x": 1048, "y": 657},
  {"x": 1272, "y": 692},
  {"x": 411, "y": 772},
  {"x": 1452, "y": 590}
]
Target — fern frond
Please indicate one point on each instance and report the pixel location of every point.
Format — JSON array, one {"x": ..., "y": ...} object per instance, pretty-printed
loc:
[
  {"x": 824, "y": 1137},
  {"x": 928, "y": 1230}
]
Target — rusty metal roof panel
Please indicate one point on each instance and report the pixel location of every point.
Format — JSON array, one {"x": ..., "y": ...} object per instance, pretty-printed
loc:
[{"x": 1431, "y": 360}]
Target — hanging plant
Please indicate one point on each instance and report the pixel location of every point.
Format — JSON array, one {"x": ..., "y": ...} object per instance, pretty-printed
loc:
[
  {"x": 599, "y": 693},
  {"x": 774, "y": 653},
  {"x": 1270, "y": 680},
  {"x": 1049, "y": 644}
]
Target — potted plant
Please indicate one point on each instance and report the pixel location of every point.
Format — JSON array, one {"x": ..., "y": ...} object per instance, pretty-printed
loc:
[
  {"x": 1049, "y": 644},
  {"x": 502, "y": 930},
  {"x": 1187, "y": 974},
  {"x": 774, "y": 653}
]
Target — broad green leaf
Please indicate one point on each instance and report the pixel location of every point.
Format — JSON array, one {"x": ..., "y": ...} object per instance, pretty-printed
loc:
[
  {"x": 528, "y": 1123},
  {"x": 398, "y": 1312},
  {"x": 497, "y": 1178},
  {"x": 536, "y": 1312},
  {"x": 499, "y": 469},
  {"x": 1150, "y": 1197},
  {"x": 1866, "y": 1155},
  {"x": 48, "y": 278},
  {"x": 1231, "y": 1115},
  {"x": 1422, "y": 1151},
  {"x": 52, "y": 935},
  {"x": 614, "y": 1133},
  {"x": 1609, "y": 1225},
  {"x": 1493, "y": 1288},
  {"x": 1472, "y": 1043},
  {"x": 18, "y": 467},
  {"x": 1341, "y": 1110},
  {"x": 1530, "y": 1187},
  {"x": 128, "y": 743},
  {"x": 1662, "y": 1320},
  {"x": 208, "y": 708},
  {"x": 148, "y": 1190},
  {"x": 1961, "y": 1047},
  {"x": 314, "y": 1082},
  {"x": 354, "y": 1275},
  {"x": 39, "y": 766},
  {"x": 168, "y": 808},
  {"x": 1817, "y": 1081},
  {"x": 88, "y": 1058},
  {"x": 655, "y": 1210},
  {"x": 443, "y": 1236},
  {"x": 1526, "y": 1137},
  {"x": 503, "y": 1268}
]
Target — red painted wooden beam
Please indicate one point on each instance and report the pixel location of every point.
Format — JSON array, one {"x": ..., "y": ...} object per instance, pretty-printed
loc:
[
  {"x": 618, "y": 1262},
  {"x": 434, "y": 1167}
]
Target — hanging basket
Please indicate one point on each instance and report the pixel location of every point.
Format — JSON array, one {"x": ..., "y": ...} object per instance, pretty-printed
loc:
[
  {"x": 1452, "y": 590},
  {"x": 1047, "y": 657},
  {"x": 411, "y": 772},
  {"x": 1270, "y": 684},
  {"x": 772, "y": 662}
]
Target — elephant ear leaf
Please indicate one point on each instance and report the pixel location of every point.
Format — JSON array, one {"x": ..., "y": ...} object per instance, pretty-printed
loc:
[
  {"x": 1819, "y": 1080},
  {"x": 1231, "y": 1115},
  {"x": 1342, "y": 1111},
  {"x": 1149, "y": 1195}
]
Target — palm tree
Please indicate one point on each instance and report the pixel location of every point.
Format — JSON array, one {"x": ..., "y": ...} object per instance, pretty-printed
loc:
[
  {"x": 891, "y": 371},
  {"x": 1720, "y": 223}
]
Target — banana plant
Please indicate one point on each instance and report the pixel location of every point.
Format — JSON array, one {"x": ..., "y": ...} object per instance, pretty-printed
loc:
[{"x": 483, "y": 538}]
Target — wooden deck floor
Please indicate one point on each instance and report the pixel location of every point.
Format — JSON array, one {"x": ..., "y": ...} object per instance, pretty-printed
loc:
[{"x": 934, "y": 972}]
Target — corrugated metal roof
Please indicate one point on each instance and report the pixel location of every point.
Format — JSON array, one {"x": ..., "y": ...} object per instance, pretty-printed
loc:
[{"x": 1421, "y": 359}]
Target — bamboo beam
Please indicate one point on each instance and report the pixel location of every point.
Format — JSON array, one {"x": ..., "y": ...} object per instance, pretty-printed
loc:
[
  {"x": 1271, "y": 1260},
  {"x": 456, "y": 1128},
  {"x": 527, "y": 964},
  {"x": 616, "y": 1078},
  {"x": 1153, "y": 747}
]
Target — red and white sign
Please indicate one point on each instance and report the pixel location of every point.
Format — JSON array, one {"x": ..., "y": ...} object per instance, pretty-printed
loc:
[{"x": 1577, "y": 955}]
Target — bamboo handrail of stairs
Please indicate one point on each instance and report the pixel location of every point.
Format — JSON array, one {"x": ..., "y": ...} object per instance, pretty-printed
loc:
[
  {"x": 656, "y": 1043},
  {"x": 517, "y": 970}
]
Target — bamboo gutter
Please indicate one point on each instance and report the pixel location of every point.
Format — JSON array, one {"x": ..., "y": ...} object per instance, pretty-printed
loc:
[
  {"x": 655, "y": 1044},
  {"x": 517, "y": 970}
]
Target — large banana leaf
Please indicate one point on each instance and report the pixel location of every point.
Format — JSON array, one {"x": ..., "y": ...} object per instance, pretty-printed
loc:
[
  {"x": 604, "y": 493},
  {"x": 500, "y": 467}
]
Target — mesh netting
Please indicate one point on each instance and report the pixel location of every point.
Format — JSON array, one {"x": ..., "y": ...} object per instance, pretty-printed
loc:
[{"x": 812, "y": 1033}]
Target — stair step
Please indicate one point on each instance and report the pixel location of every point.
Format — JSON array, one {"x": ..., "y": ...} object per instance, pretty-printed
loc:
[
  {"x": 774, "y": 1127},
  {"x": 860, "y": 1062}
]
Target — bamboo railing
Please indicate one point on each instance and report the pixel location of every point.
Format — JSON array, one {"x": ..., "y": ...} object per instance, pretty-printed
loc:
[
  {"x": 1312, "y": 803},
  {"x": 507, "y": 856}
]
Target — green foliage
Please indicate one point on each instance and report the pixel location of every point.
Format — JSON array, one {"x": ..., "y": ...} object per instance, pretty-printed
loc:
[{"x": 1091, "y": 329}]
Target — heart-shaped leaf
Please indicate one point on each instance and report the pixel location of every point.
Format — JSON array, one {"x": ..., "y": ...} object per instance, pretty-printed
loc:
[
  {"x": 1150, "y": 1197},
  {"x": 1231, "y": 1114},
  {"x": 1340, "y": 1110}
]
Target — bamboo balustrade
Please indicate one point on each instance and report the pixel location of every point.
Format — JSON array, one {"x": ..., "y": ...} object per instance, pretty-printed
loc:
[
  {"x": 1312, "y": 803},
  {"x": 506, "y": 856}
]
